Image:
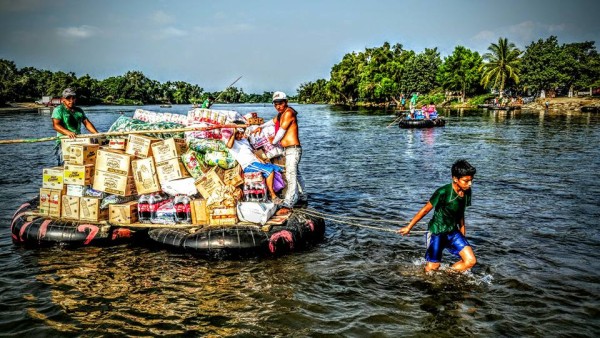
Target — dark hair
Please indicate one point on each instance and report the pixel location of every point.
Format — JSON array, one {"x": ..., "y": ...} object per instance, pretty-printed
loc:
[
  {"x": 211, "y": 98},
  {"x": 463, "y": 168}
]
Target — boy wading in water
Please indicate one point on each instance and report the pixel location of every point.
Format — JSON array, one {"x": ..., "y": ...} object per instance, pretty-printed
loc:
[{"x": 447, "y": 226}]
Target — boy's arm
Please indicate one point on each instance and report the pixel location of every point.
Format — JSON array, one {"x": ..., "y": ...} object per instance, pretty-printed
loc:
[
  {"x": 461, "y": 227},
  {"x": 424, "y": 210}
]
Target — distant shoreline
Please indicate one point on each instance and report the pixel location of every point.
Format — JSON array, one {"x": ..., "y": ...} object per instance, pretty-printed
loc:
[{"x": 557, "y": 103}]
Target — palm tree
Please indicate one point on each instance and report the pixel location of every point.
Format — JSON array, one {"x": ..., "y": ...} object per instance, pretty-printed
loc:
[{"x": 502, "y": 64}]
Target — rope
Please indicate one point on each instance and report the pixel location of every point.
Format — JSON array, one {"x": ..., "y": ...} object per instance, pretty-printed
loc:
[
  {"x": 121, "y": 133},
  {"x": 345, "y": 220}
]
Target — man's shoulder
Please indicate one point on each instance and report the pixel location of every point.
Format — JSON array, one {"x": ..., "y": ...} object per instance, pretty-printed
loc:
[{"x": 58, "y": 111}]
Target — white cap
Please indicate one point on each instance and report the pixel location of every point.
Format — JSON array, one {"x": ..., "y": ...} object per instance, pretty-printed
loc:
[{"x": 279, "y": 96}]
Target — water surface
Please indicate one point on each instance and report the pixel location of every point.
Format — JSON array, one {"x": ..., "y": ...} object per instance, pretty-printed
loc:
[{"x": 533, "y": 225}]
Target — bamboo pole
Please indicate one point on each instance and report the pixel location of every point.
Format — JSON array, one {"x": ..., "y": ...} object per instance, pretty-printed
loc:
[{"x": 122, "y": 133}]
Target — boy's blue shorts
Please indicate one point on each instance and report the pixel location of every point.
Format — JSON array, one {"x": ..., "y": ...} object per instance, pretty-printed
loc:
[
  {"x": 453, "y": 241},
  {"x": 265, "y": 168}
]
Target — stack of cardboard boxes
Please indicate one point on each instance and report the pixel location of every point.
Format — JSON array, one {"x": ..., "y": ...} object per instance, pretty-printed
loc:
[{"x": 131, "y": 167}]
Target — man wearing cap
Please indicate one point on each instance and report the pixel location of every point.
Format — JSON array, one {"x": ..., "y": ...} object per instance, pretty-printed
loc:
[
  {"x": 67, "y": 120},
  {"x": 286, "y": 134}
]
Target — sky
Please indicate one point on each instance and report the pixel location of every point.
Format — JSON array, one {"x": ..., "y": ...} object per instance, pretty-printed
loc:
[{"x": 272, "y": 45}]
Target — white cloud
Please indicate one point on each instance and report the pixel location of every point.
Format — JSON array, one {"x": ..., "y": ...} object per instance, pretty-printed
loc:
[
  {"x": 162, "y": 18},
  {"x": 171, "y": 32},
  {"x": 81, "y": 32}
]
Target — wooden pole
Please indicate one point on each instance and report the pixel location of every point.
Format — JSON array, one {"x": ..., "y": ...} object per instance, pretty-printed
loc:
[
  {"x": 223, "y": 91},
  {"x": 122, "y": 133}
]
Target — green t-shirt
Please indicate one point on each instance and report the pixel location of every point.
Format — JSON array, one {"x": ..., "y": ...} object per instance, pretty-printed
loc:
[
  {"x": 206, "y": 104},
  {"x": 71, "y": 120},
  {"x": 449, "y": 209}
]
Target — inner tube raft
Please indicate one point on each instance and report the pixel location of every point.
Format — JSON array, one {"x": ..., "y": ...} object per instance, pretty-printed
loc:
[
  {"x": 300, "y": 231},
  {"x": 31, "y": 229},
  {"x": 422, "y": 123}
]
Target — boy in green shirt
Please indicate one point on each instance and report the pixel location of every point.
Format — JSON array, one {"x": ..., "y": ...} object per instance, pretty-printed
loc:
[{"x": 447, "y": 226}]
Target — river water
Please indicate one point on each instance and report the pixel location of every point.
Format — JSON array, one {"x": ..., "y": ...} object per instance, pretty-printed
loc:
[{"x": 534, "y": 227}]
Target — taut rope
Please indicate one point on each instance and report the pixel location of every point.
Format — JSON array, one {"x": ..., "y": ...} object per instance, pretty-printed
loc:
[{"x": 348, "y": 220}]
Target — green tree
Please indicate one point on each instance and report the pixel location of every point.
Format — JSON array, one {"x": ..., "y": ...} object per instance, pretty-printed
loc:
[
  {"x": 313, "y": 92},
  {"x": 8, "y": 76},
  {"x": 502, "y": 65},
  {"x": 460, "y": 71},
  {"x": 542, "y": 65},
  {"x": 580, "y": 65},
  {"x": 421, "y": 71},
  {"x": 343, "y": 84}
]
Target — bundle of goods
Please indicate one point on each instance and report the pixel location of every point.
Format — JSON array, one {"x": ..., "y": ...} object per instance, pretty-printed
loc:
[{"x": 162, "y": 178}]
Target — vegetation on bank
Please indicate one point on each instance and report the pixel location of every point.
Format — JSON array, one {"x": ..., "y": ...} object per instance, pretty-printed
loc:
[{"x": 376, "y": 76}]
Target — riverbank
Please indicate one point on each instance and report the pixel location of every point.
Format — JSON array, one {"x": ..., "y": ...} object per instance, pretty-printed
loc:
[
  {"x": 20, "y": 106},
  {"x": 554, "y": 104}
]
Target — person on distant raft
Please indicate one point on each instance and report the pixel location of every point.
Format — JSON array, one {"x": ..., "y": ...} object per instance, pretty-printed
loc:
[
  {"x": 208, "y": 102},
  {"x": 67, "y": 120},
  {"x": 240, "y": 149},
  {"x": 286, "y": 134},
  {"x": 447, "y": 226}
]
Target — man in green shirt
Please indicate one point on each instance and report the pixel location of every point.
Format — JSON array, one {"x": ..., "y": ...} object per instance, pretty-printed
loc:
[
  {"x": 67, "y": 120},
  {"x": 208, "y": 102},
  {"x": 447, "y": 226}
]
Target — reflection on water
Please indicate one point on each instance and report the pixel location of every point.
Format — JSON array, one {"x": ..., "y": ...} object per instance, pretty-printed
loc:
[{"x": 533, "y": 226}]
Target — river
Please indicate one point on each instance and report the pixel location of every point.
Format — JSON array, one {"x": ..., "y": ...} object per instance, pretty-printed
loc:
[{"x": 534, "y": 226}]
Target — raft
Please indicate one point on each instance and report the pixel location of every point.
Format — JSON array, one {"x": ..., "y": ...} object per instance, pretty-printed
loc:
[
  {"x": 421, "y": 123},
  {"x": 299, "y": 231},
  {"x": 29, "y": 228}
]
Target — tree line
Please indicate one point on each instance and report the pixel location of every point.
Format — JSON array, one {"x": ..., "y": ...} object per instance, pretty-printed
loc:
[
  {"x": 29, "y": 84},
  {"x": 385, "y": 74},
  {"x": 374, "y": 76}
]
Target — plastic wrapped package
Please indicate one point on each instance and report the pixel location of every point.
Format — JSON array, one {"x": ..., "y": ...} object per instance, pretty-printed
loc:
[
  {"x": 220, "y": 158},
  {"x": 123, "y": 124},
  {"x": 203, "y": 146},
  {"x": 184, "y": 186},
  {"x": 165, "y": 213},
  {"x": 194, "y": 163}
]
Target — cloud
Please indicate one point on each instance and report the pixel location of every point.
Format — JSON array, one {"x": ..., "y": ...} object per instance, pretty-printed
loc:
[
  {"x": 521, "y": 33},
  {"x": 81, "y": 32},
  {"x": 162, "y": 18},
  {"x": 171, "y": 32}
]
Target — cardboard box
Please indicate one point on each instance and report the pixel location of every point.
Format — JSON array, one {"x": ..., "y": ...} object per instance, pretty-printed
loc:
[
  {"x": 77, "y": 190},
  {"x": 140, "y": 145},
  {"x": 113, "y": 183},
  {"x": 70, "y": 207},
  {"x": 200, "y": 212},
  {"x": 223, "y": 216},
  {"x": 233, "y": 176},
  {"x": 126, "y": 213},
  {"x": 55, "y": 202},
  {"x": 168, "y": 149},
  {"x": 113, "y": 161},
  {"x": 44, "y": 207},
  {"x": 89, "y": 209},
  {"x": 170, "y": 170},
  {"x": 82, "y": 154},
  {"x": 208, "y": 183},
  {"x": 52, "y": 178},
  {"x": 144, "y": 174},
  {"x": 117, "y": 143},
  {"x": 78, "y": 174},
  {"x": 65, "y": 143}
]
